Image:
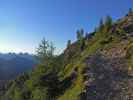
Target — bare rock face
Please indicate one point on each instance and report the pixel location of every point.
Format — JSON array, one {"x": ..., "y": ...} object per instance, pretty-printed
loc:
[{"x": 107, "y": 79}]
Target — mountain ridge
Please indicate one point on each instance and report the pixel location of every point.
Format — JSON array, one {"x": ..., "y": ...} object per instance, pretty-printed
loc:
[{"x": 97, "y": 66}]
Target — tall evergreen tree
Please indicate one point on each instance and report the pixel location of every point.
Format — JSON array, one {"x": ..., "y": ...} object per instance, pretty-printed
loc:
[
  {"x": 130, "y": 11},
  {"x": 108, "y": 21},
  {"x": 101, "y": 26},
  {"x": 80, "y": 34},
  {"x": 103, "y": 29},
  {"x": 45, "y": 51},
  {"x": 99, "y": 31},
  {"x": 68, "y": 43},
  {"x": 81, "y": 40},
  {"x": 108, "y": 24}
]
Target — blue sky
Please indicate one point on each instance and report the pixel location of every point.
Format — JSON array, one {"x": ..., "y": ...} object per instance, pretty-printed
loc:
[{"x": 23, "y": 23}]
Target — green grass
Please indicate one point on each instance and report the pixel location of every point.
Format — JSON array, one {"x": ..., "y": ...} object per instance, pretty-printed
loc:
[{"x": 73, "y": 92}]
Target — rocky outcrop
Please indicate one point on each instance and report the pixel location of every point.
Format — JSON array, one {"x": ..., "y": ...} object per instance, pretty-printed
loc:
[{"x": 107, "y": 79}]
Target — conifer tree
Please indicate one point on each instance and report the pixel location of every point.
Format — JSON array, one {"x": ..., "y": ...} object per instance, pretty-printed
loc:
[
  {"x": 80, "y": 38},
  {"x": 103, "y": 29},
  {"x": 68, "y": 43},
  {"x": 101, "y": 26},
  {"x": 80, "y": 34},
  {"x": 108, "y": 21},
  {"x": 45, "y": 51},
  {"x": 130, "y": 11},
  {"x": 99, "y": 31}
]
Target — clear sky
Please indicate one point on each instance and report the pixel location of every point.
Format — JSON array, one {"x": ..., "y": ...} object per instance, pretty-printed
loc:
[{"x": 23, "y": 23}]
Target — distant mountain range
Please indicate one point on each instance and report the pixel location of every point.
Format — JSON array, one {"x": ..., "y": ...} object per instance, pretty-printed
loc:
[{"x": 12, "y": 64}]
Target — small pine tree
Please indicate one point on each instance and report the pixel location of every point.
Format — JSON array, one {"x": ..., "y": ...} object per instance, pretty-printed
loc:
[
  {"x": 68, "y": 43},
  {"x": 45, "y": 51},
  {"x": 99, "y": 31},
  {"x": 108, "y": 24},
  {"x": 51, "y": 49},
  {"x": 108, "y": 21},
  {"x": 101, "y": 26},
  {"x": 104, "y": 26},
  {"x": 80, "y": 34},
  {"x": 80, "y": 38},
  {"x": 130, "y": 11}
]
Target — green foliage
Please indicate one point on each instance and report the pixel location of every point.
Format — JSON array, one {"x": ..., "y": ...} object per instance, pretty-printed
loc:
[
  {"x": 17, "y": 94},
  {"x": 45, "y": 51},
  {"x": 120, "y": 32},
  {"x": 49, "y": 62},
  {"x": 39, "y": 94}
]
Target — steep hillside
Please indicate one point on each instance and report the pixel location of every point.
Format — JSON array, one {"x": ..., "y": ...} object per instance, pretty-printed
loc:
[{"x": 98, "y": 66}]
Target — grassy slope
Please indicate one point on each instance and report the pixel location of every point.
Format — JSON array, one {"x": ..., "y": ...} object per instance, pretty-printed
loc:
[{"x": 73, "y": 92}]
